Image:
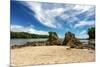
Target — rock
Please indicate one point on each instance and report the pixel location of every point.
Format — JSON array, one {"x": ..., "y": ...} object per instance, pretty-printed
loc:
[
  {"x": 68, "y": 37},
  {"x": 71, "y": 41},
  {"x": 53, "y": 39},
  {"x": 91, "y": 43}
]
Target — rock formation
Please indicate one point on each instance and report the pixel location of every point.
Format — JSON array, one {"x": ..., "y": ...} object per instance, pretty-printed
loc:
[
  {"x": 53, "y": 39},
  {"x": 71, "y": 41}
]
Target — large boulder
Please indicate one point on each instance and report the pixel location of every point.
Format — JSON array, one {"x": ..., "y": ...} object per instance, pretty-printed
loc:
[
  {"x": 68, "y": 37},
  {"x": 53, "y": 39},
  {"x": 71, "y": 41}
]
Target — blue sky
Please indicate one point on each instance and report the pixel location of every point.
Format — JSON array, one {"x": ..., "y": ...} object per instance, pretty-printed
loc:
[{"x": 40, "y": 18}]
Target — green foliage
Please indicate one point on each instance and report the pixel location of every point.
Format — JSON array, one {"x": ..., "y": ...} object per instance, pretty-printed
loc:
[
  {"x": 91, "y": 33},
  {"x": 26, "y": 35}
]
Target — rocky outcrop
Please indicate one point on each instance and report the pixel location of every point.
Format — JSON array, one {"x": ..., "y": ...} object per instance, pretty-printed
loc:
[
  {"x": 53, "y": 39},
  {"x": 71, "y": 41}
]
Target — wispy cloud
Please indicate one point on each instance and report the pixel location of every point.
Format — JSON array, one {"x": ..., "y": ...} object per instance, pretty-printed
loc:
[
  {"x": 84, "y": 23},
  {"x": 82, "y": 8},
  {"x": 47, "y": 15},
  {"x": 18, "y": 28},
  {"x": 83, "y": 32}
]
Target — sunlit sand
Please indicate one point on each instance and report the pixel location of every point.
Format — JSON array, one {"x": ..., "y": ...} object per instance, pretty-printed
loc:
[{"x": 50, "y": 55}]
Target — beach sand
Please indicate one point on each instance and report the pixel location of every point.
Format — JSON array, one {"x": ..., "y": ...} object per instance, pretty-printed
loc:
[{"x": 49, "y": 55}]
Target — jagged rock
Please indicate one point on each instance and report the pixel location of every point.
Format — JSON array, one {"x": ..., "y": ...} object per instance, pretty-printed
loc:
[
  {"x": 71, "y": 41},
  {"x": 53, "y": 39},
  {"x": 68, "y": 37}
]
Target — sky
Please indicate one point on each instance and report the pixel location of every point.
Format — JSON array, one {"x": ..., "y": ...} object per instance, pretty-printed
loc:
[{"x": 43, "y": 17}]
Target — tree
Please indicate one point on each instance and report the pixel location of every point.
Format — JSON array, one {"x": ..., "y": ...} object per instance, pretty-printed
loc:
[
  {"x": 26, "y": 35},
  {"x": 91, "y": 33}
]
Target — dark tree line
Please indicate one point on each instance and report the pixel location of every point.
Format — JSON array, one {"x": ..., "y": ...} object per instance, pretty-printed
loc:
[
  {"x": 91, "y": 33},
  {"x": 26, "y": 35}
]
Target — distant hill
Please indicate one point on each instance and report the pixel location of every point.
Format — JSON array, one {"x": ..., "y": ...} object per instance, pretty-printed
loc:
[{"x": 26, "y": 35}]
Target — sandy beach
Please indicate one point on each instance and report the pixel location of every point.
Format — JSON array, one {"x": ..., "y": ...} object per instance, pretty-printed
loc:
[{"x": 49, "y": 55}]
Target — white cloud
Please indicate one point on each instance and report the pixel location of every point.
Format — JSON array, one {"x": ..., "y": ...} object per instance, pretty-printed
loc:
[
  {"x": 67, "y": 12},
  {"x": 82, "y": 8},
  {"x": 31, "y": 30},
  {"x": 64, "y": 16},
  {"x": 46, "y": 17},
  {"x": 83, "y": 32},
  {"x": 17, "y": 28},
  {"x": 84, "y": 23}
]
